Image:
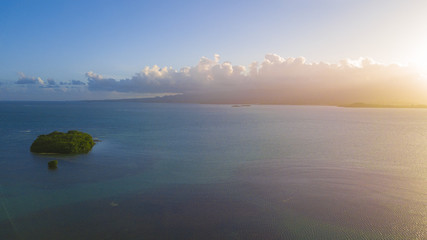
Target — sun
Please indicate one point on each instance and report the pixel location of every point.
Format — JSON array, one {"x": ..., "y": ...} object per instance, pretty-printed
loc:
[
  {"x": 420, "y": 60},
  {"x": 422, "y": 67},
  {"x": 417, "y": 53}
]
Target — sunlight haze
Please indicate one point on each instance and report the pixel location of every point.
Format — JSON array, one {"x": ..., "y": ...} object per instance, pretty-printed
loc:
[{"x": 353, "y": 51}]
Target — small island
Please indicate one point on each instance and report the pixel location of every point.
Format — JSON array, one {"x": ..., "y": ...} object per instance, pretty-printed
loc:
[
  {"x": 52, "y": 164},
  {"x": 64, "y": 143},
  {"x": 241, "y": 105}
]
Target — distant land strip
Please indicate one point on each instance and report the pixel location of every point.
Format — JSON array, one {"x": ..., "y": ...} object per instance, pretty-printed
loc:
[
  {"x": 183, "y": 99},
  {"x": 369, "y": 105}
]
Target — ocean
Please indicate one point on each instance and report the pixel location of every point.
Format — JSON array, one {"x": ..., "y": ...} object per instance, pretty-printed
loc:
[{"x": 190, "y": 171}]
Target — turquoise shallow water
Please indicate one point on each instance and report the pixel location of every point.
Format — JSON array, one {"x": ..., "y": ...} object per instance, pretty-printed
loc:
[{"x": 176, "y": 171}]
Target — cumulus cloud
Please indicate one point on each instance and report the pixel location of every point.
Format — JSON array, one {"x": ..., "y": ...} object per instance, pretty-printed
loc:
[
  {"x": 29, "y": 80},
  {"x": 51, "y": 82},
  {"x": 276, "y": 80},
  {"x": 77, "y": 82},
  {"x": 38, "y": 89},
  {"x": 206, "y": 74},
  {"x": 73, "y": 83}
]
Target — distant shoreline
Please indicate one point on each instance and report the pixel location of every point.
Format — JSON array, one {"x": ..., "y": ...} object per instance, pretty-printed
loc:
[
  {"x": 233, "y": 104},
  {"x": 368, "y": 105}
]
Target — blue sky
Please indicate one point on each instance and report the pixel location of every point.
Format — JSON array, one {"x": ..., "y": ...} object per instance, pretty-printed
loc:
[{"x": 64, "y": 40}]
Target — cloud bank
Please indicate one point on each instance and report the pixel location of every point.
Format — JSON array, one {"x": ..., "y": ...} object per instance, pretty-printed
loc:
[
  {"x": 29, "y": 80},
  {"x": 35, "y": 88},
  {"x": 48, "y": 83},
  {"x": 276, "y": 80},
  {"x": 30, "y": 88}
]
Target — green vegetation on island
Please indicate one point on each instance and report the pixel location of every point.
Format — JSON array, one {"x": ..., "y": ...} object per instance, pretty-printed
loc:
[
  {"x": 58, "y": 142},
  {"x": 52, "y": 164}
]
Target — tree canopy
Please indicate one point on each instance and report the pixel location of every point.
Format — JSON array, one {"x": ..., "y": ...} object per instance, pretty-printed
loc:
[{"x": 58, "y": 142}]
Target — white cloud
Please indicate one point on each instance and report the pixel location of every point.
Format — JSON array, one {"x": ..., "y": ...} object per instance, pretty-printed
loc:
[
  {"x": 207, "y": 73},
  {"x": 29, "y": 80},
  {"x": 277, "y": 80},
  {"x": 274, "y": 80},
  {"x": 35, "y": 88}
]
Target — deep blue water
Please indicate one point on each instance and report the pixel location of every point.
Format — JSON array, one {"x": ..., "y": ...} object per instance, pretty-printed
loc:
[{"x": 177, "y": 171}]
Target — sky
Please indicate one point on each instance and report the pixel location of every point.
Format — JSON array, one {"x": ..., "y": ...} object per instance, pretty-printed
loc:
[{"x": 278, "y": 51}]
